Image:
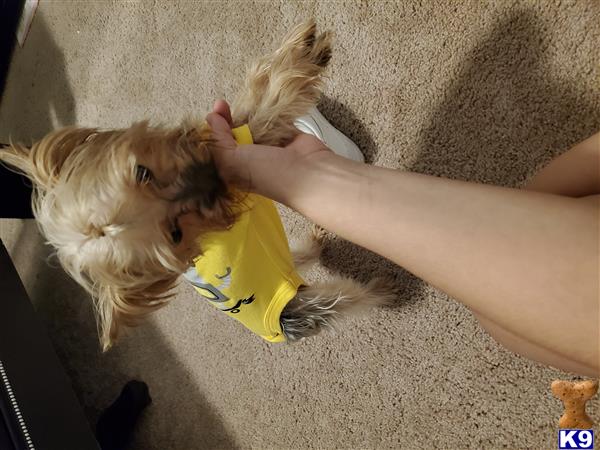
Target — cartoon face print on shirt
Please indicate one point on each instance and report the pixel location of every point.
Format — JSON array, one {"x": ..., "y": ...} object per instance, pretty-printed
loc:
[
  {"x": 206, "y": 289},
  {"x": 214, "y": 293}
]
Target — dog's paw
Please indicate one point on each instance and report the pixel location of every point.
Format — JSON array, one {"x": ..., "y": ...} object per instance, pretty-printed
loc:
[
  {"x": 318, "y": 233},
  {"x": 306, "y": 251}
]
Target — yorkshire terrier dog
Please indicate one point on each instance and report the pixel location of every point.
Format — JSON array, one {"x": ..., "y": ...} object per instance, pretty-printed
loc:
[{"x": 111, "y": 202}]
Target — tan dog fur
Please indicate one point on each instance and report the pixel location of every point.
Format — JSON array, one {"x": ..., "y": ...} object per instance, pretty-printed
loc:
[{"x": 109, "y": 201}]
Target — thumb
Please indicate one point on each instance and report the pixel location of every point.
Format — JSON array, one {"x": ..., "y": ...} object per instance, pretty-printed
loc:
[
  {"x": 218, "y": 123},
  {"x": 222, "y": 107},
  {"x": 221, "y": 129}
]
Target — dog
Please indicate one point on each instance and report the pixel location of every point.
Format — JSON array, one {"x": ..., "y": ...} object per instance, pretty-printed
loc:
[{"x": 110, "y": 201}]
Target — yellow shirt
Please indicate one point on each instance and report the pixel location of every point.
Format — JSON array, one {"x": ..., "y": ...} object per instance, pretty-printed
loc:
[{"x": 247, "y": 271}]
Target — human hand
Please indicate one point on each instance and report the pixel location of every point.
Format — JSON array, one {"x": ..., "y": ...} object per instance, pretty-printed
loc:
[
  {"x": 245, "y": 166},
  {"x": 225, "y": 154}
]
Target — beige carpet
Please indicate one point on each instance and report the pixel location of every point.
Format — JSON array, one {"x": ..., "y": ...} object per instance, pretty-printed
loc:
[{"x": 474, "y": 91}]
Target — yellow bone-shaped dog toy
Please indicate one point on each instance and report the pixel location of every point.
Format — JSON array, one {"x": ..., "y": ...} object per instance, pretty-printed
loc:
[{"x": 574, "y": 395}]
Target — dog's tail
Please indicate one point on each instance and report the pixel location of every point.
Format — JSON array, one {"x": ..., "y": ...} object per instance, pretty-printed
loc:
[{"x": 323, "y": 306}]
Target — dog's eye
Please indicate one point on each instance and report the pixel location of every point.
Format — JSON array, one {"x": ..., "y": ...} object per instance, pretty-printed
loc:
[
  {"x": 176, "y": 235},
  {"x": 143, "y": 175}
]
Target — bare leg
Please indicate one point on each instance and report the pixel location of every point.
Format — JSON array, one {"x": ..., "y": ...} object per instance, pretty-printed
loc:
[
  {"x": 573, "y": 174},
  {"x": 525, "y": 347}
]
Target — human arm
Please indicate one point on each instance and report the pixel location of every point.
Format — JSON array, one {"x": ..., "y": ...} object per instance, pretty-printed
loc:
[{"x": 527, "y": 262}]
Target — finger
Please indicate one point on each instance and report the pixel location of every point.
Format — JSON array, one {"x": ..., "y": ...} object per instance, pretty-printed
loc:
[
  {"x": 218, "y": 123},
  {"x": 221, "y": 130},
  {"x": 222, "y": 108}
]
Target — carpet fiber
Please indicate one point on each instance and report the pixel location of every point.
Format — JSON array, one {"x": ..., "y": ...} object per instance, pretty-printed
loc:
[{"x": 476, "y": 91}]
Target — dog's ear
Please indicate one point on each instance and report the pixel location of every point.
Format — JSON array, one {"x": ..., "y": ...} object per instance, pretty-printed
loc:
[
  {"x": 117, "y": 309},
  {"x": 17, "y": 157},
  {"x": 44, "y": 161},
  {"x": 113, "y": 313},
  {"x": 107, "y": 318}
]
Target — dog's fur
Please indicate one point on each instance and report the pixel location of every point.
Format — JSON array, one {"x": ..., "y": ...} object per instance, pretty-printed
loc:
[{"x": 109, "y": 201}]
